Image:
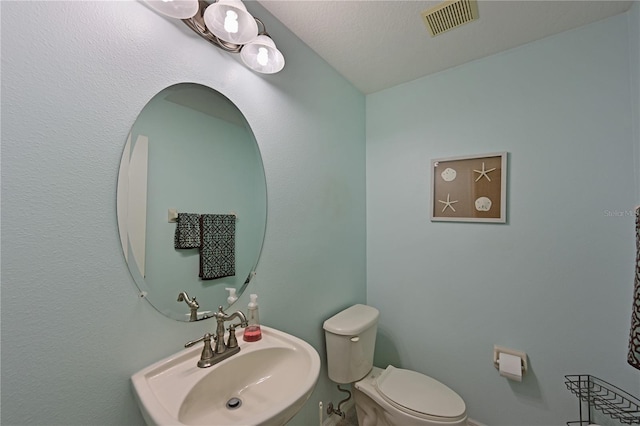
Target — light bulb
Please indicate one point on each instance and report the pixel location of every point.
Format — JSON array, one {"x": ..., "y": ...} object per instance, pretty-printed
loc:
[
  {"x": 180, "y": 9},
  {"x": 231, "y": 22},
  {"x": 263, "y": 56}
]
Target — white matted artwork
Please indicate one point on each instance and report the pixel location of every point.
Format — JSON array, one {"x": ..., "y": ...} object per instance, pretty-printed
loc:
[{"x": 470, "y": 188}]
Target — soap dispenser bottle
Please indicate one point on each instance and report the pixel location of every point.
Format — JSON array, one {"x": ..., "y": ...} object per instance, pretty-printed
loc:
[{"x": 253, "y": 333}]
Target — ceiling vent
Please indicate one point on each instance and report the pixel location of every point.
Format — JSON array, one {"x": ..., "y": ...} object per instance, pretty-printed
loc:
[{"x": 449, "y": 15}]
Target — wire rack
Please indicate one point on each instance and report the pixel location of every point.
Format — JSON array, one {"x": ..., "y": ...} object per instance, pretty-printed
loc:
[{"x": 605, "y": 397}]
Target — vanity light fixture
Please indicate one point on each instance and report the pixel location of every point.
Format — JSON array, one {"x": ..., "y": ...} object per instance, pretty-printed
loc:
[{"x": 227, "y": 24}]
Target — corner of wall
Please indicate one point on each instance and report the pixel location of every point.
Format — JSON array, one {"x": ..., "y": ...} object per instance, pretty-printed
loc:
[{"x": 634, "y": 63}]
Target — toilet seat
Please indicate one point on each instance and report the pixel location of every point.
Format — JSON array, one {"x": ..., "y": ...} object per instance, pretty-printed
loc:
[{"x": 419, "y": 395}]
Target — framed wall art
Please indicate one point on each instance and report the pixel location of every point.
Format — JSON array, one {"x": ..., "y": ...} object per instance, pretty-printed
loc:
[{"x": 469, "y": 189}]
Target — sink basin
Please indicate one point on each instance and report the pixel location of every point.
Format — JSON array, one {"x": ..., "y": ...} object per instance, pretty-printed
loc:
[{"x": 267, "y": 382}]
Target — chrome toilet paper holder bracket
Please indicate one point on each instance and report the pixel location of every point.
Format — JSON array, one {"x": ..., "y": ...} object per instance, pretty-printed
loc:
[{"x": 497, "y": 350}]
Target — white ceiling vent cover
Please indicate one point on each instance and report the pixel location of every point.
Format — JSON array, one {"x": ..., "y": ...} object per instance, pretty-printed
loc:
[{"x": 449, "y": 15}]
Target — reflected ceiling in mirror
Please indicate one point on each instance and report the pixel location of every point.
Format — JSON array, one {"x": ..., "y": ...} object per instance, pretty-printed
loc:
[{"x": 190, "y": 150}]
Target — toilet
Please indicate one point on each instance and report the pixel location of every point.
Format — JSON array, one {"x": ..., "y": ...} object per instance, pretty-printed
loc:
[{"x": 384, "y": 397}]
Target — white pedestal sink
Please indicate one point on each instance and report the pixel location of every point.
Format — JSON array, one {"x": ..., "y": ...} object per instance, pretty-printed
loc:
[{"x": 266, "y": 383}]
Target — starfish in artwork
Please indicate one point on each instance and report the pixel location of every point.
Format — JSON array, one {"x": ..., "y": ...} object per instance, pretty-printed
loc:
[
  {"x": 448, "y": 203},
  {"x": 484, "y": 173}
]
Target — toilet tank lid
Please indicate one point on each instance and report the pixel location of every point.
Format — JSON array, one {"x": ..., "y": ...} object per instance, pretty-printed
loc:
[{"x": 351, "y": 321}]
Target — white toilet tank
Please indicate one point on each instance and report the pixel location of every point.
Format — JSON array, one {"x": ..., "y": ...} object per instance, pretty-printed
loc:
[{"x": 351, "y": 339}]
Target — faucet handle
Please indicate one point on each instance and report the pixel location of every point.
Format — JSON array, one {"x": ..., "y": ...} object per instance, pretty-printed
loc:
[
  {"x": 206, "y": 358},
  {"x": 232, "y": 342},
  {"x": 206, "y": 338}
]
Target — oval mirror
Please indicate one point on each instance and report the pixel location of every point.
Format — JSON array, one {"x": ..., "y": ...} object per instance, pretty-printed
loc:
[{"x": 191, "y": 151}]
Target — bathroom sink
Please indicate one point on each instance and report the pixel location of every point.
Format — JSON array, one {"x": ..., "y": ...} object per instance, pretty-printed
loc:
[{"x": 267, "y": 382}]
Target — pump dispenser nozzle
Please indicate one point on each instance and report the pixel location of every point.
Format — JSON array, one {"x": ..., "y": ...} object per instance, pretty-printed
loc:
[{"x": 232, "y": 295}]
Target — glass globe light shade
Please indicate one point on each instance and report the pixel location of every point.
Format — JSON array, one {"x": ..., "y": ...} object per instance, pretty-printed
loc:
[
  {"x": 261, "y": 55},
  {"x": 180, "y": 9},
  {"x": 229, "y": 21}
]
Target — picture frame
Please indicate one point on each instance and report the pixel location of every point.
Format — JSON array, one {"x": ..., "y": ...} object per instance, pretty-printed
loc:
[{"x": 469, "y": 188}]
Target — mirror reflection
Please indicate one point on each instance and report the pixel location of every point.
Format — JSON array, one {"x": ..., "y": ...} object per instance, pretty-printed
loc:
[{"x": 192, "y": 154}]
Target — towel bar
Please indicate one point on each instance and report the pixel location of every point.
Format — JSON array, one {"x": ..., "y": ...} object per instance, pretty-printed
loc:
[{"x": 173, "y": 215}]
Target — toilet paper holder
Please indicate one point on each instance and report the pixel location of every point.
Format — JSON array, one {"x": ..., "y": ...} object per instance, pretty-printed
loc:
[{"x": 500, "y": 349}]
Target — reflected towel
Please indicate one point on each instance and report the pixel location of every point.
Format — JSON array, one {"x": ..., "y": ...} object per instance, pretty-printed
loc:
[
  {"x": 218, "y": 249},
  {"x": 634, "y": 338},
  {"x": 187, "y": 234}
]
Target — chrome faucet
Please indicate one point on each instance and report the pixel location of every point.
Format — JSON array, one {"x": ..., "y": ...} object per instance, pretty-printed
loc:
[
  {"x": 223, "y": 350},
  {"x": 193, "y": 305}
]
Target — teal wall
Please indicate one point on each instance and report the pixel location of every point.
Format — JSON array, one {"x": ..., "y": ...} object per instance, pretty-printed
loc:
[
  {"x": 556, "y": 280},
  {"x": 75, "y": 75}
]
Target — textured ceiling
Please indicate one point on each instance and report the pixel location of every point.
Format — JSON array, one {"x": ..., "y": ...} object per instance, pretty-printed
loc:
[{"x": 377, "y": 44}]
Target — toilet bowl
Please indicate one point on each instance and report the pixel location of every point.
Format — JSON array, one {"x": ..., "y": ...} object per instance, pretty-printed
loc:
[
  {"x": 393, "y": 396},
  {"x": 384, "y": 397}
]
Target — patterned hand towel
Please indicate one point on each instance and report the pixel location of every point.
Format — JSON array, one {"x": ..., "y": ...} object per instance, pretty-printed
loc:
[
  {"x": 634, "y": 338},
  {"x": 187, "y": 234},
  {"x": 218, "y": 249}
]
